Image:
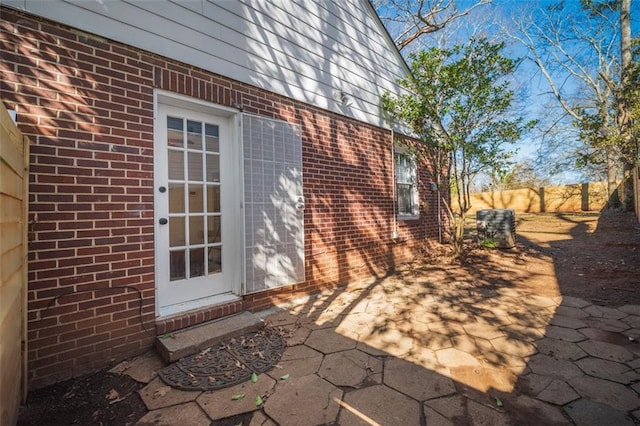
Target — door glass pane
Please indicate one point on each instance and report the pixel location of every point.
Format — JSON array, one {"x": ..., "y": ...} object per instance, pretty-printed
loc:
[
  {"x": 176, "y": 198},
  {"x": 196, "y": 203},
  {"x": 176, "y": 164},
  {"x": 176, "y": 232},
  {"x": 215, "y": 260},
  {"x": 176, "y": 265},
  {"x": 196, "y": 262},
  {"x": 175, "y": 123},
  {"x": 196, "y": 230},
  {"x": 194, "y": 135},
  {"x": 175, "y": 132},
  {"x": 213, "y": 168},
  {"x": 213, "y": 229},
  {"x": 195, "y": 166},
  {"x": 213, "y": 199},
  {"x": 212, "y": 142}
]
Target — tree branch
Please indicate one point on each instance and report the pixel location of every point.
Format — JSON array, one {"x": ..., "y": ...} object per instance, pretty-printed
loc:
[{"x": 421, "y": 17}]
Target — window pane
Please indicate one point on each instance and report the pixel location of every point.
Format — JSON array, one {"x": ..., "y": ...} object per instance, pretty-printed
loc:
[
  {"x": 213, "y": 168},
  {"x": 174, "y": 138},
  {"x": 196, "y": 230},
  {"x": 195, "y": 166},
  {"x": 196, "y": 262},
  {"x": 176, "y": 198},
  {"x": 196, "y": 201},
  {"x": 213, "y": 199},
  {"x": 176, "y": 164},
  {"x": 194, "y": 135},
  {"x": 405, "y": 199},
  {"x": 405, "y": 169},
  {"x": 406, "y": 180},
  {"x": 212, "y": 143},
  {"x": 213, "y": 229},
  {"x": 174, "y": 131},
  {"x": 175, "y": 123},
  {"x": 215, "y": 260},
  {"x": 176, "y": 265},
  {"x": 176, "y": 231}
]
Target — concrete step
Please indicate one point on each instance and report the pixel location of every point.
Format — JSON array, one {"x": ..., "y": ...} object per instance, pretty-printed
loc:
[{"x": 192, "y": 340}]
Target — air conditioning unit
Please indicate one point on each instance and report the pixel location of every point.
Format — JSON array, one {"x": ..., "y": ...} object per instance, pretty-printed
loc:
[{"x": 498, "y": 225}]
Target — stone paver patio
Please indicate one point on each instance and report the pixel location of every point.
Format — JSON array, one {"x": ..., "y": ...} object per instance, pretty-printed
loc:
[{"x": 390, "y": 353}]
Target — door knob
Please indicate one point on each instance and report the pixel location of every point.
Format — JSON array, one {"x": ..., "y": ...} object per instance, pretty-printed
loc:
[{"x": 163, "y": 221}]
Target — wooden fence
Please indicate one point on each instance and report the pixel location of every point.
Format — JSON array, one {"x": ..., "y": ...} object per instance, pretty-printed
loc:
[
  {"x": 565, "y": 198},
  {"x": 14, "y": 180}
]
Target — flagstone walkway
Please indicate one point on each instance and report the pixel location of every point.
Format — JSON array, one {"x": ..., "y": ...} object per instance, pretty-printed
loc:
[{"x": 396, "y": 352}]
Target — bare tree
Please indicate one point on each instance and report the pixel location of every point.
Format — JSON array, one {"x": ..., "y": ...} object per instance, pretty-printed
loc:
[
  {"x": 558, "y": 149},
  {"x": 522, "y": 175},
  {"x": 576, "y": 50},
  {"x": 410, "y": 20}
]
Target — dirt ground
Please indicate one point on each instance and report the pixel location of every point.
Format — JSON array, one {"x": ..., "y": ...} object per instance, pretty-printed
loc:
[
  {"x": 587, "y": 255},
  {"x": 595, "y": 257},
  {"x": 98, "y": 399}
]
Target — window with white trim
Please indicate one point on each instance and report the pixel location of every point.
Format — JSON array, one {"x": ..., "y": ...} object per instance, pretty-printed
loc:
[{"x": 406, "y": 186}]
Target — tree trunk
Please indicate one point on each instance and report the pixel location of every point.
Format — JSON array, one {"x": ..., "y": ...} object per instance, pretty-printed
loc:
[
  {"x": 457, "y": 242},
  {"x": 611, "y": 166},
  {"x": 623, "y": 117},
  {"x": 627, "y": 198}
]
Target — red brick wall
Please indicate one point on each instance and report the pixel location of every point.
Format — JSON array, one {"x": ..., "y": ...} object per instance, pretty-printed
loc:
[
  {"x": 87, "y": 106},
  {"x": 91, "y": 275}
]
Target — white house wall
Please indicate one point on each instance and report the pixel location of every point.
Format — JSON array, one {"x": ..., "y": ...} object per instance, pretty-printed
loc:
[{"x": 301, "y": 49}]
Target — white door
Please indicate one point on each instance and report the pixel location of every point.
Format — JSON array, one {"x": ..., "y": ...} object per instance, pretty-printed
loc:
[{"x": 194, "y": 202}]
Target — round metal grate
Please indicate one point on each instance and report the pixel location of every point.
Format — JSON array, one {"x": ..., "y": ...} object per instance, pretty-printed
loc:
[{"x": 232, "y": 362}]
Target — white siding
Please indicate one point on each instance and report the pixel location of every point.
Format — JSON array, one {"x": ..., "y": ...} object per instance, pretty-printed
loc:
[{"x": 298, "y": 48}]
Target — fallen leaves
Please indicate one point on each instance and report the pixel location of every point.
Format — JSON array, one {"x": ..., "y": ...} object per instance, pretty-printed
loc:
[
  {"x": 215, "y": 381},
  {"x": 287, "y": 332},
  {"x": 259, "y": 401},
  {"x": 161, "y": 391},
  {"x": 194, "y": 379},
  {"x": 112, "y": 394},
  {"x": 114, "y": 397}
]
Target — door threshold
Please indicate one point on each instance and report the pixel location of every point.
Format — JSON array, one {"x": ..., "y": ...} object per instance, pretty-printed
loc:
[{"x": 180, "y": 308}]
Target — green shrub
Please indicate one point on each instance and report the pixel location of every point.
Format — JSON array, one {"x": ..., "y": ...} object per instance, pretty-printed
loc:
[{"x": 488, "y": 243}]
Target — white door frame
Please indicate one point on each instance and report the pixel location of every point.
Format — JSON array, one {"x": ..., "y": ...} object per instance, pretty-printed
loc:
[{"x": 233, "y": 245}]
